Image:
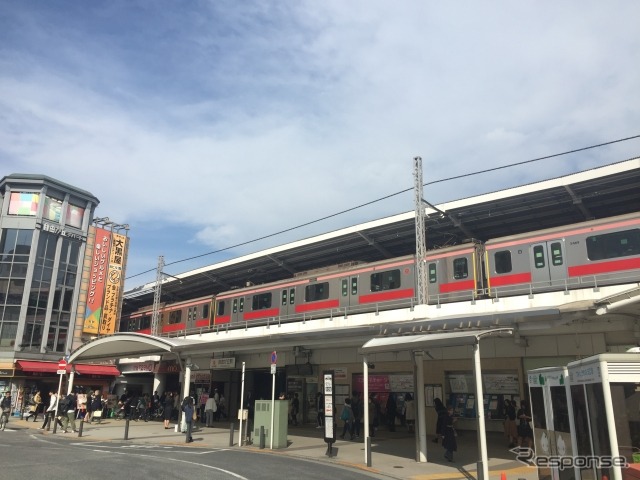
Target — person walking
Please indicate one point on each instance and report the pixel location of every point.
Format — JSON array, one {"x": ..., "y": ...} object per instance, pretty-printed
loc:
[
  {"x": 210, "y": 408},
  {"x": 356, "y": 408},
  {"x": 391, "y": 410},
  {"x": 410, "y": 412},
  {"x": 50, "y": 412},
  {"x": 168, "y": 409},
  {"x": 320, "y": 410},
  {"x": 94, "y": 407},
  {"x": 295, "y": 408},
  {"x": 68, "y": 407},
  {"x": 374, "y": 414},
  {"x": 449, "y": 441},
  {"x": 441, "y": 415},
  {"x": 188, "y": 409},
  {"x": 347, "y": 417},
  {"x": 36, "y": 402},
  {"x": 510, "y": 425}
]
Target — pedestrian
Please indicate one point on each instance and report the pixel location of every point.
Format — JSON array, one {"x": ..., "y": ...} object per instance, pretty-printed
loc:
[
  {"x": 410, "y": 412},
  {"x": 525, "y": 432},
  {"x": 34, "y": 406},
  {"x": 168, "y": 409},
  {"x": 216, "y": 397},
  {"x": 295, "y": 408},
  {"x": 210, "y": 408},
  {"x": 356, "y": 408},
  {"x": 188, "y": 409},
  {"x": 94, "y": 407},
  {"x": 449, "y": 441},
  {"x": 320, "y": 410},
  {"x": 50, "y": 412},
  {"x": 391, "y": 408},
  {"x": 510, "y": 425},
  {"x": 347, "y": 417},
  {"x": 68, "y": 406},
  {"x": 374, "y": 414},
  {"x": 441, "y": 415}
]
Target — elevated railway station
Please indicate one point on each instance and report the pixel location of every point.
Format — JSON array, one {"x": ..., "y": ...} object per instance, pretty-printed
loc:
[{"x": 552, "y": 268}]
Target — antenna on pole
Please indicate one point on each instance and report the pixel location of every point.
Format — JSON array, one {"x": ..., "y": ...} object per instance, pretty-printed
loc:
[
  {"x": 421, "y": 235},
  {"x": 155, "y": 316}
]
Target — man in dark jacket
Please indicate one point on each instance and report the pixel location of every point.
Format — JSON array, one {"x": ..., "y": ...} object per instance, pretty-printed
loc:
[{"x": 67, "y": 409}]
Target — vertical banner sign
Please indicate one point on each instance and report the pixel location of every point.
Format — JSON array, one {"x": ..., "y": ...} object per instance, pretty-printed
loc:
[
  {"x": 115, "y": 280},
  {"x": 97, "y": 279},
  {"x": 329, "y": 409}
]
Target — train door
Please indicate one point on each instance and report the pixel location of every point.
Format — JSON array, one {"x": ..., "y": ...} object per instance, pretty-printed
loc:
[
  {"x": 548, "y": 265},
  {"x": 348, "y": 291}
]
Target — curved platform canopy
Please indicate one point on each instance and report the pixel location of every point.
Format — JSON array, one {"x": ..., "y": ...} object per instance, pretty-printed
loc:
[{"x": 122, "y": 345}]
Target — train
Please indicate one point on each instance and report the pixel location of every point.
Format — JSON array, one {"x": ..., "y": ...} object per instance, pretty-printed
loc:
[{"x": 588, "y": 254}]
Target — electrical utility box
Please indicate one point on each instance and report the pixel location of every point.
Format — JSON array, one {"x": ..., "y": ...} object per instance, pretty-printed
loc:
[{"x": 262, "y": 418}]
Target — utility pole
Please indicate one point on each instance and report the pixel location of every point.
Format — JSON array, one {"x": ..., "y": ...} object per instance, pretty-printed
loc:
[
  {"x": 155, "y": 316},
  {"x": 421, "y": 235}
]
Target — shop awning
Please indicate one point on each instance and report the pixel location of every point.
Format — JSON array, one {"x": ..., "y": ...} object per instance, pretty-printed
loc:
[
  {"x": 52, "y": 367},
  {"x": 32, "y": 366},
  {"x": 97, "y": 370}
]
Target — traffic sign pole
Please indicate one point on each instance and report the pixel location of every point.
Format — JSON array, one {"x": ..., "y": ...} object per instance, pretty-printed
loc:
[{"x": 62, "y": 369}]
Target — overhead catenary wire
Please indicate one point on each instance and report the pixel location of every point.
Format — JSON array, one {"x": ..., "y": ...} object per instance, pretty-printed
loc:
[{"x": 386, "y": 197}]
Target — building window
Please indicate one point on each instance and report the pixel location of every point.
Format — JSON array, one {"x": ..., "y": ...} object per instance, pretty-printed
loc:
[
  {"x": 388, "y": 280},
  {"x": 24, "y": 203},
  {"x": 75, "y": 216},
  {"x": 52, "y": 210}
]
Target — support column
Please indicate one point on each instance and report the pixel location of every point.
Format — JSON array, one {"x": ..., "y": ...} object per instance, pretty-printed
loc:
[
  {"x": 365, "y": 401},
  {"x": 419, "y": 403},
  {"x": 483, "y": 463}
]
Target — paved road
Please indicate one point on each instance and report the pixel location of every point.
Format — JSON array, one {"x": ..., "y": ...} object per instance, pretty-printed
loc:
[{"x": 393, "y": 453}]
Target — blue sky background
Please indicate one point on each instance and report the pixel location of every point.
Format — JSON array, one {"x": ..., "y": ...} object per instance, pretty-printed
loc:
[{"x": 205, "y": 124}]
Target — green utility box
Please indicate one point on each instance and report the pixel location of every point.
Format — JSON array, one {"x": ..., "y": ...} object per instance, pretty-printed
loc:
[{"x": 262, "y": 418}]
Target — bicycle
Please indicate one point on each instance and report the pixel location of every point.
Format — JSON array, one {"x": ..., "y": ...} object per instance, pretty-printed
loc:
[{"x": 4, "y": 418}]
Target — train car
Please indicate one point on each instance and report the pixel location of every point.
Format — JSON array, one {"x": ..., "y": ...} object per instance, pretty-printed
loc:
[
  {"x": 599, "y": 252},
  {"x": 187, "y": 315},
  {"x": 455, "y": 274},
  {"x": 385, "y": 284}
]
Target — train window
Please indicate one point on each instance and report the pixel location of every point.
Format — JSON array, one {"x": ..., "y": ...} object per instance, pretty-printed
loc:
[
  {"x": 221, "y": 307},
  {"x": 556, "y": 254},
  {"x": 354, "y": 286},
  {"x": 284, "y": 297},
  {"x": 235, "y": 305},
  {"x": 191, "y": 313},
  {"x": 345, "y": 287},
  {"x": 175, "y": 316},
  {"x": 538, "y": 256},
  {"x": 242, "y": 304},
  {"x": 433, "y": 273},
  {"x": 503, "y": 261},
  {"x": 145, "y": 322},
  {"x": 262, "y": 301},
  {"x": 317, "y": 291},
  {"x": 460, "y": 268},
  {"x": 612, "y": 245},
  {"x": 389, "y": 280},
  {"x": 292, "y": 296},
  {"x": 205, "y": 311}
]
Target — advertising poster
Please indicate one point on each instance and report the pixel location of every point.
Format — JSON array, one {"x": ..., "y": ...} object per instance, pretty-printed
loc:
[
  {"x": 97, "y": 280},
  {"x": 115, "y": 280}
]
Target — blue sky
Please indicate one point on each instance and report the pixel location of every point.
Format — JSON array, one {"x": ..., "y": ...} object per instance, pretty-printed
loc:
[{"x": 211, "y": 123}]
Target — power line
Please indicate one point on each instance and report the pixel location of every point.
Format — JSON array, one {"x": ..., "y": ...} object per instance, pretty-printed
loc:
[{"x": 455, "y": 177}]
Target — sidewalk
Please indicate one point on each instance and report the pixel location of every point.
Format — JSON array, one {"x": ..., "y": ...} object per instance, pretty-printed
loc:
[{"x": 393, "y": 453}]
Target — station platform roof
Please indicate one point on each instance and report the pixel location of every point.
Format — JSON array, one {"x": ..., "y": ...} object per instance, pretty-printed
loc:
[{"x": 597, "y": 193}]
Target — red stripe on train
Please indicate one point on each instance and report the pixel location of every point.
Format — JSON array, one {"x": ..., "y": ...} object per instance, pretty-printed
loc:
[
  {"x": 386, "y": 296},
  {"x": 604, "y": 267},
  {"x": 267, "y": 312},
  {"x": 222, "y": 319},
  {"x": 202, "y": 323},
  {"x": 458, "y": 286},
  {"x": 173, "y": 327},
  {"x": 510, "y": 279},
  {"x": 322, "y": 305}
]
